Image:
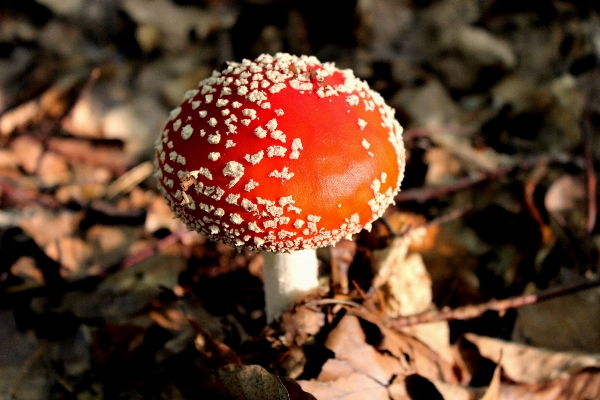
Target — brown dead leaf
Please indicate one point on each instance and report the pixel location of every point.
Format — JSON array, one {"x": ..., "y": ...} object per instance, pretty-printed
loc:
[
  {"x": 493, "y": 391},
  {"x": 26, "y": 268},
  {"x": 442, "y": 167},
  {"x": 301, "y": 324},
  {"x": 45, "y": 226},
  {"x": 422, "y": 359},
  {"x": 73, "y": 254},
  {"x": 406, "y": 285},
  {"x": 348, "y": 341},
  {"x": 103, "y": 154},
  {"x": 54, "y": 170},
  {"x": 403, "y": 278},
  {"x": 355, "y": 386},
  {"x": 28, "y": 151}
]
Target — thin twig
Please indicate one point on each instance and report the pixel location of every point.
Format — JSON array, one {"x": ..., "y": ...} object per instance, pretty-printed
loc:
[{"x": 501, "y": 306}]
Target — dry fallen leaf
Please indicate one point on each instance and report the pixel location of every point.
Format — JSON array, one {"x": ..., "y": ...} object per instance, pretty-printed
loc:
[{"x": 348, "y": 341}]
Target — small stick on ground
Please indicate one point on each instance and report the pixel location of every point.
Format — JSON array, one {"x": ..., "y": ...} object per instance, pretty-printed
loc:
[{"x": 501, "y": 306}]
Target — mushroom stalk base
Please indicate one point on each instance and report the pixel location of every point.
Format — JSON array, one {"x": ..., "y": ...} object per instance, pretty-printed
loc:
[{"x": 288, "y": 277}]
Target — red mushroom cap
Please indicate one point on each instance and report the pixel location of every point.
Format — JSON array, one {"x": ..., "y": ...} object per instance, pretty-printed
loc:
[{"x": 279, "y": 154}]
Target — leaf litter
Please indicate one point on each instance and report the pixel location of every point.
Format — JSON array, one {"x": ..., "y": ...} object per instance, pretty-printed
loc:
[{"x": 480, "y": 283}]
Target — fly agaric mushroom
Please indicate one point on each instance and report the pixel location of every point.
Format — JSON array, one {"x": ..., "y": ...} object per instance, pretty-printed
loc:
[{"x": 281, "y": 155}]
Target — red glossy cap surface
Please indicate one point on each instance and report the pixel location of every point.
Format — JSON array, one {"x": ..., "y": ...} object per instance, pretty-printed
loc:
[{"x": 280, "y": 154}]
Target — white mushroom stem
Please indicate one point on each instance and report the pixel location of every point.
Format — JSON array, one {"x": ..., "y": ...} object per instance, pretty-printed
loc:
[{"x": 288, "y": 277}]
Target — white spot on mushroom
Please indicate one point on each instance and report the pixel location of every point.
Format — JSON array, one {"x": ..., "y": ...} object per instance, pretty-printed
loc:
[
  {"x": 218, "y": 193},
  {"x": 177, "y": 125},
  {"x": 254, "y": 158},
  {"x": 214, "y": 155},
  {"x": 242, "y": 90},
  {"x": 253, "y": 226},
  {"x": 296, "y": 145},
  {"x": 202, "y": 171},
  {"x": 248, "y": 205},
  {"x": 298, "y": 224},
  {"x": 256, "y": 96},
  {"x": 248, "y": 112},
  {"x": 276, "y": 88},
  {"x": 187, "y": 131},
  {"x": 174, "y": 113},
  {"x": 250, "y": 185},
  {"x": 366, "y": 144},
  {"x": 195, "y": 104},
  {"x": 236, "y": 104},
  {"x": 226, "y": 91},
  {"x": 225, "y": 112},
  {"x": 232, "y": 198},
  {"x": 352, "y": 100},
  {"x": 236, "y": 219},
  {"x": 181, "y": 159},
  {"x": 213, "y": 229},
  {"x": 219, "y": 212},
  {"x": 276, "y": 151},
  {"x": 245, "y": 121},
  {"x": 284, "y": 174},
  {"x": 260, "y": 132},
  {"x": 202, "y": 113},
  {"x": 229, "y": 143},
  {"x": 270, "y": 224},
  {"x": 189, "y": 94},
  {"x": 278, "y": 135},
  {"x": 266, "y": 105},
  {"x": 298, "y": 85},
  {"x": 272, "y": 125},
  {"x": 235, "y": 170},
  {"x": 279, "y": 112},
  {"x": 212, "y": 122},
  {"x": 208, "y": 98},
  {"x": 362, "y": 123},
  {"x": 214, "y": 139},
  {"x": 222, "y": 102}
]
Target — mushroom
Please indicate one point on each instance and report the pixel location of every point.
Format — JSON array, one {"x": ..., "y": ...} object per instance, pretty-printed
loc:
[{"x": 282, "y": 155}]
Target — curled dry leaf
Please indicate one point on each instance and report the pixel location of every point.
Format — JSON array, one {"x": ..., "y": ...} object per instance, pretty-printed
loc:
[
  {"x": 355, "y": 386},
  {"x": 348, "y": 342}
]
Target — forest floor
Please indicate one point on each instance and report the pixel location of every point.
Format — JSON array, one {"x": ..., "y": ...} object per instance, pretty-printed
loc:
[{"x": 480, "y": 282}]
